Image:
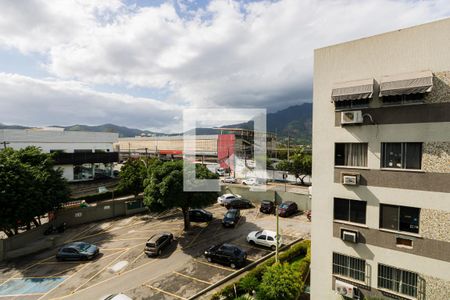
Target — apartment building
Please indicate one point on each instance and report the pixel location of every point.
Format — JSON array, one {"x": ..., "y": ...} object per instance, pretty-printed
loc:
[
  {"x": 81, "y": 155},
  {"x": 381, "y": 166}
]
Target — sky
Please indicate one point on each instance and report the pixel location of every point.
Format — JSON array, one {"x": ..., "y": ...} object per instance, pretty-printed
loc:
[{"x": 140, "y": 63}]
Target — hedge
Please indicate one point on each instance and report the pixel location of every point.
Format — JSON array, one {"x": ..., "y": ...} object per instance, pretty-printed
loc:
[{"x": 248, "y": 283}]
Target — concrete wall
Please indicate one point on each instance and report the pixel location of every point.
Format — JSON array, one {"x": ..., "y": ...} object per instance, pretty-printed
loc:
[
  {"x": 303, "y": 201},
  {"x": 34, "y": 240}
]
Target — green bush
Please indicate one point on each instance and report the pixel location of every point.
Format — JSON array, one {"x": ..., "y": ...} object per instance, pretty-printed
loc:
[
  {"x": 254, "y": 277},
  {"x": 280, "y": 281}
]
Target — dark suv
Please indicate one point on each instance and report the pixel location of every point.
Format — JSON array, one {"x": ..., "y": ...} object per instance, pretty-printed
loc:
[
  {"x": 226, "y": 254},
  {"x": 231, "y": 217},
  {"x": 157, "y": 242},
  {"x": 200, "y": 215},
  {"x": 287, "y": 208},
  {"x": 267, "y": 207},
  {"x": 238, "y": 203}
]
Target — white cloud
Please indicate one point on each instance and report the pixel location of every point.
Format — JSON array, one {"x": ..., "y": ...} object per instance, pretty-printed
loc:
[
  {"x": 227, "y": 54},
  {"x": 28, "y": 101}
]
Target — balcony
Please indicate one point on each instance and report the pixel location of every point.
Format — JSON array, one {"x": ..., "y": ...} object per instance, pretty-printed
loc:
[{"x": 85, "y": 157}]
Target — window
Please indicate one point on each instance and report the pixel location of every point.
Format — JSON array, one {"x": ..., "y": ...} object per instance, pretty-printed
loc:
[
  {"x": 348, "y": 266},
  {"x": 401, "y": 218},
  {"x": 348, "y": 104},
  {"x": 350, "y": 210},
  {"x": 397, "y": 280},
  {"x": 402, "y": 99},
  {"x": 56, "y": 151},
  {"x": 351, "y": 154},
  {"x": 401, "y": 155}
]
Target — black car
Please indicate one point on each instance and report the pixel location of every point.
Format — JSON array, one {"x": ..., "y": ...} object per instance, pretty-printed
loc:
[
  {"x": 231, "y": 217},
  {"x": 267, "y": 207},
  {"x": 200, "y": 215},
  {"x": 157, "y": 243},
  {"x": 226, "y": 254},
  {"x": 287, "y": 208},
  {"x": 238, "y": 203},
  {"x": 77, "y": 251}
]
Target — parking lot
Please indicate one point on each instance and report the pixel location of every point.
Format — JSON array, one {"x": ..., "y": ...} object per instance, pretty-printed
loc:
[{"x": 179, "y": 273}]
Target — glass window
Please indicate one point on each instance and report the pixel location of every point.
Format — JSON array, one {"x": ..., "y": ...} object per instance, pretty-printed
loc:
[
  {"x": 397, "y": 280},
  {"x": 401, "y": 155},
  {"x": 350, "y": 210},
  {"x": 351, "y": 154},
  {"x": 400, "y": 218},
  {"x": 348, "y": 266},
  {"x": 402, "y": 99},
  {"x": 346, "y": 104}
]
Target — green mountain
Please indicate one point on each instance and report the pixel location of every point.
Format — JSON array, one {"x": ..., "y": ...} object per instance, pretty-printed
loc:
[{"x": 121, "y": 130}]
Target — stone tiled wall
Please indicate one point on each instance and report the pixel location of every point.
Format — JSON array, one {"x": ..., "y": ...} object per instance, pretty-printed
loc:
[
  {"x": 436, "y": 157},
  {"x": 435, "y": 288},
  {"x": 441, "y": 88},
  {"x": 435, "y": 224}
]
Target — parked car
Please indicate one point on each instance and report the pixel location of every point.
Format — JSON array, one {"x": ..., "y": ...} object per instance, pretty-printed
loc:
[
  {"x": 250, "y": 181},
  {"x": 226, "y": 254},
  {"x": 225, "y": 198},
  {"x": 231, "y": 217},
  {"x": 200, "y": 215},
  {"x": 287, "y": 208},
  {"x": 239, "y": 203},
  {"x": 117, "y": 297},
  {"x": 267, "y": 207},
  {"x": 220, "y": 171},
  {"x": 157, "y": 243},
  {"x": 77, "y": 251},
  {"x": 264, "y": 238},
  {"x": 229, "y": 179}
]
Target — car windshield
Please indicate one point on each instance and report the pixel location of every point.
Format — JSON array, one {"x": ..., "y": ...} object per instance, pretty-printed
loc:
[
  {"x": 258, "y": 233},
  {"x": 83, "y": 246},
  {"x": 237, "y": 251},
  {"x": 151, "y": 244},
  {"x": 284, "y": 205},
  {"x": 229, "y": 215}
]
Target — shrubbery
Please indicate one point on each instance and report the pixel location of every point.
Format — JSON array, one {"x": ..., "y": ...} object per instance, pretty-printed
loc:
[{"x": 254, "y": 279}]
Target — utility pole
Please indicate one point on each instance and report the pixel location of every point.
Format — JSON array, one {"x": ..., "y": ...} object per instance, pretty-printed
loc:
[
  {"x": 278, "y": 233},
  {"x": 4, "y": 144}
]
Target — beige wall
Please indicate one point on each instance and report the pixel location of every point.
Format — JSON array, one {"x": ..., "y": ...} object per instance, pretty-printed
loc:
[
  {"x": 153, "y": 144},
  {"x": 419, "y": 48}
]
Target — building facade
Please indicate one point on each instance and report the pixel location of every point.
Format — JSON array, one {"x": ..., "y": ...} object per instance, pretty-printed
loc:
[
  {"x": 381, "y": 166},
  {"x": 81, "y": 155}
]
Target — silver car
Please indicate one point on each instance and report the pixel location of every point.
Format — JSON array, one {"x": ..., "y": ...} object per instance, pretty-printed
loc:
[{"x": 226, "y": 198}]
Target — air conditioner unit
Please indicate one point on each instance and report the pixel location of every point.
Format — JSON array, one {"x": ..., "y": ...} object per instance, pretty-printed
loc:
[
  {"x": 349, "y": 179},
  {"x": 351, "y": 117},
  {"x": 344, "y": 289},
  {"x": 349, "y": 236}
]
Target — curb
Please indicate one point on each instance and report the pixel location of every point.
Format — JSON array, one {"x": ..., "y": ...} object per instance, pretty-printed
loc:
[{"x": 240, "y": 271}]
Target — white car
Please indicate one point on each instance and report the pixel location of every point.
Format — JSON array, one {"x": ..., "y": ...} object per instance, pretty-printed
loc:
[
  {"x": 225, "y": 198},
  {"x": 264, "y": 238},
  {"x": 229, "y": 179},
  {"x": 250, "y": 181},
  {"x": 220, "y": 171},
  {"x": 116, "y": 297}
]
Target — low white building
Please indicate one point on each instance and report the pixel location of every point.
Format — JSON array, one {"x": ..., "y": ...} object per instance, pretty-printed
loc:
[{"x": 81, "y": 155}]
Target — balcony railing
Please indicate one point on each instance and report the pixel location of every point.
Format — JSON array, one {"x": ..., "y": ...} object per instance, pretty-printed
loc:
[{"x": 85, "y": 157}]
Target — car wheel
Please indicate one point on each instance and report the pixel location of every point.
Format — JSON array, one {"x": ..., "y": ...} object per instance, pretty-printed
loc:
[
  {"x": 233, "y": 266},
  {"x": 209, "y": 259},
  {"x": 252, "y": 243},
  {"x": 273, "y": 247}
]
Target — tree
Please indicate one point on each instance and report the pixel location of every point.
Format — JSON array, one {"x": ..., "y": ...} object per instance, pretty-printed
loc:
[
  {"x": 30, "y": 186},
  {"x": 299, "y": 164},
  {"x": 133, "y": 174},
  {"x": 280, "y": 281},
  {"x": 164, "y": 189}
]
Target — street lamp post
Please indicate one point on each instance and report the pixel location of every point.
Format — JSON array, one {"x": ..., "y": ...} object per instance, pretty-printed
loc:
[{"x": 278, "y": 233}]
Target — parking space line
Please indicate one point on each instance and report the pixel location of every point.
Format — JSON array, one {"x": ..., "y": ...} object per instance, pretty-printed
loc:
[
  {"x": 27, "y": 268},
  {"x": 21, "y": 295},
  {"x": 196, "y": 237},
  {"x": 101, "y": 270},
  {"x": 80, "y": 234},
  {"x": 215, "y": 266},
  {"x": 110, "y": 230},
  {"x": 129, "y": 239},
  {"x": 256, "y": 215},
  {"x": 139, "y": 256},
  {"x": 193, "y": 278},
  {"x": 59, "y": 284},
  {"x": 164, "y": 292},
  {"x": 49, "y": 276}
]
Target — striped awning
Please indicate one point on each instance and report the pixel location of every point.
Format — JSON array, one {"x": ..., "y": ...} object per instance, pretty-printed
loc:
[
  {"x": 405, "y": 84},
  {"x": 353, "y": 90}
]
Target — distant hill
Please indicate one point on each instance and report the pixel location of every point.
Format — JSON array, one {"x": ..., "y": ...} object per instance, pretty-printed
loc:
[
  {"x": 3, "y": 126},
  {"x": 121, "y": 130}
]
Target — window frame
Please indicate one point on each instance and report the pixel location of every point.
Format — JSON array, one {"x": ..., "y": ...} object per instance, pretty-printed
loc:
[
  {"x": 399, "y": 218},
  {"x": 393, "y": 279},
  {"x": 352, "y": 104},
  {"x": 349, "y": 213},
  {"x": 418, "y": 98},
  {"x": 345, "y": 150},
  {"x": 403, "y": 156},
  {"x": 346, "y": 267}
]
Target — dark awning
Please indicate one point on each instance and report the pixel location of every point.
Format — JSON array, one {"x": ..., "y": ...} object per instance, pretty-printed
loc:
[
  {"x": 353, "y": 90},
  {"x": 405, "y": 84}
]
